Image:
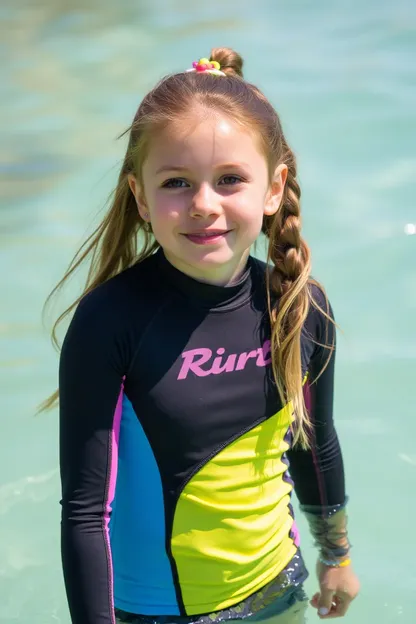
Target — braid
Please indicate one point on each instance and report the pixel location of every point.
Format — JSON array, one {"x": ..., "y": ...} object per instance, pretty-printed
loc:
[
  {"x": 288, "y": 251},
  {"x": 288, "y": 286}
]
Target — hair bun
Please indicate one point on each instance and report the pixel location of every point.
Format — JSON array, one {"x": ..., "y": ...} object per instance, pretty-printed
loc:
[{"x": 231, "y": 62}]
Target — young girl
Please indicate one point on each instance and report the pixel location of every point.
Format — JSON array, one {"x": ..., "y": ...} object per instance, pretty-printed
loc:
[{"x": 196, "y": 382}]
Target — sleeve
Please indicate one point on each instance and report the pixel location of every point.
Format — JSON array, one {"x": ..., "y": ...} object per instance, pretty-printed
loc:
[
  {"x": 318, "y": 472},
  {"x": 90, "y": 381}
]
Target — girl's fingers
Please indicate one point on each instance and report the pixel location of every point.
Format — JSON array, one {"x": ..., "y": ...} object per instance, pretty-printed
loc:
[
  {"x": 339, "y": 607},
  {"x": 314, "y": 600},
  {"x": 343, "y": 602}
]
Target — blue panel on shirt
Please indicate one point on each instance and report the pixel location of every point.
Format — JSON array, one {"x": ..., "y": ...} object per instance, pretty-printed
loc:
[{"x": 143, "y": 581}]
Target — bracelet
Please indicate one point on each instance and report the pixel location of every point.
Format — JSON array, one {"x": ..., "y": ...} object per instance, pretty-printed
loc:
[{"x": 335, "y": 564}]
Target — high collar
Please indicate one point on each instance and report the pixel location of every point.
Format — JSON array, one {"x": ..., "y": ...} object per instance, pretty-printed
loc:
[{"x": 205, "y": 295}]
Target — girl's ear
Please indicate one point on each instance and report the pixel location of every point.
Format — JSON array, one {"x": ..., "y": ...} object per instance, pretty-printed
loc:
[
  {"x": 275, "y": 194},
  {"x": 139, "y": 196}
]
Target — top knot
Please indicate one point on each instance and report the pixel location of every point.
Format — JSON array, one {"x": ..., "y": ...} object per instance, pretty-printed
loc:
[{"x": 230, "y": 61}]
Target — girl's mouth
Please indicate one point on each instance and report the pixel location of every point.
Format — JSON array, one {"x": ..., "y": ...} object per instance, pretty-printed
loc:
[{"x": 206, "y": 237}]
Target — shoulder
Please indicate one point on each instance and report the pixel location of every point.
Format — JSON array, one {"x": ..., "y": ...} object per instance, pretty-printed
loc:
[
  {"x": 319, "y": 305},
  {"x": 136, "y": 282},
  {"x": 317, "y": 294},
  {"x": 127, "y": 297},
  {"x": 320, "y": 321},
  {"x": 109, "y": 321}
]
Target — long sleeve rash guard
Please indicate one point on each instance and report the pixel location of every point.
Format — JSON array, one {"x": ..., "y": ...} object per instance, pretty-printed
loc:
[{"x": 175, "y": 450}]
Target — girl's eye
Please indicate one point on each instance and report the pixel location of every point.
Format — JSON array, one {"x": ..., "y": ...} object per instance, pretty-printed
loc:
[
  {"x": 230, "y": 180},
  {"x": 174, "y": 183}
]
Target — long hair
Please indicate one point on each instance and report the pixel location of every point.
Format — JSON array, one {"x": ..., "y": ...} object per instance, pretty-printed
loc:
[{"x": 124, "y": 238}]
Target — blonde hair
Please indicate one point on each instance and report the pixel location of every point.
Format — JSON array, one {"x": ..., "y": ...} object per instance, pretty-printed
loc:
[{"x": 113, "y": 246}]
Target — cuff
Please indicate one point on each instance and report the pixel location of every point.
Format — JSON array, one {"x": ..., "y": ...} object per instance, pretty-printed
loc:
[{"x": 328, "y": 526}]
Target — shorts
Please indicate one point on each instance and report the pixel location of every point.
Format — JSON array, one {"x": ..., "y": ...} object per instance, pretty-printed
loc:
[{"x": 287, "y": 608}]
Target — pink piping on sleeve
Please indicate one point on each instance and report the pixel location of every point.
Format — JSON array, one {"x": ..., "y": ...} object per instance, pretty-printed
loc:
[{"x": 114, "y": 442}]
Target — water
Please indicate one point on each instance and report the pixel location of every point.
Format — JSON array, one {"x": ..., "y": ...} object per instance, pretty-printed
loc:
[{"x": 342, "y": 77}]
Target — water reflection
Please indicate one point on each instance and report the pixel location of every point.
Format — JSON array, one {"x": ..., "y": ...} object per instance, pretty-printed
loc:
[
  {"x": 73, "y": 70},
  {"x": 342, "y": 77}
]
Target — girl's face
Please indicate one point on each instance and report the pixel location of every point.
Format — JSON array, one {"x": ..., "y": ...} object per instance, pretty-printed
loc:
[{"x": 205, "y": 192}]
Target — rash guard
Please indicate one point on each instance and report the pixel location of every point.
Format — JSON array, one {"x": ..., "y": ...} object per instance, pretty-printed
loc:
[{"x": 176, "y": 455}]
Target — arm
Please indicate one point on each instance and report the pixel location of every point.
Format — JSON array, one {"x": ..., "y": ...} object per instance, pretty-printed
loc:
[
  {"x": 90, "y": 379},
  {"x": 318, "y": 472}
]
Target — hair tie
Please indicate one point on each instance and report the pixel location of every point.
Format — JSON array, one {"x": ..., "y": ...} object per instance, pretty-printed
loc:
[{"x": 205, "y": 65}]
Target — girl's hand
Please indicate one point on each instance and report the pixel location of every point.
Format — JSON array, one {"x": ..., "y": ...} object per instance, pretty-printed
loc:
[{"x": 338, "y": 588}]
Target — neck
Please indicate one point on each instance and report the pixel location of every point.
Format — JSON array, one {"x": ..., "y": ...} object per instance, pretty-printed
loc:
[{"x": 225, "y": 275}]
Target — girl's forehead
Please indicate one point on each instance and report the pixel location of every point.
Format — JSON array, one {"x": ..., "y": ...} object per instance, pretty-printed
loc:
[
  {"x": 204, "y": 130},
  {"x": 197, "y": 119}
]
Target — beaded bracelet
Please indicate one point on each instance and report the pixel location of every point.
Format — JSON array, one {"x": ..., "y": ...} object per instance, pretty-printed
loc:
[{"x": 335, "y": 564}]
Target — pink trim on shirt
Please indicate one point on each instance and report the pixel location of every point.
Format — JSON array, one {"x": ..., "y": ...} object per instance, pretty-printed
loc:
[{"x": 112, "y": 479}]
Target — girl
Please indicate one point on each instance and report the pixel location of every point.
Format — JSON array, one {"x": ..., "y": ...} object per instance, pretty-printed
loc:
[{"x": 192, "y": 375}]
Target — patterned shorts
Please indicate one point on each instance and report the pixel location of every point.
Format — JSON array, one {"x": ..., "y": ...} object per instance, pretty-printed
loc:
[{"x": 287, "y": 609}]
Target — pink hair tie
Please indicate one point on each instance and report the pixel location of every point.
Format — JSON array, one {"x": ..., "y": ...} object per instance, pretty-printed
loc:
[{"x": 205, "y": 65}]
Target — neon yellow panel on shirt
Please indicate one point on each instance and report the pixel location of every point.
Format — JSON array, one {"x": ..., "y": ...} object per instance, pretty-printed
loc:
[{"x": 232, "y": 522}]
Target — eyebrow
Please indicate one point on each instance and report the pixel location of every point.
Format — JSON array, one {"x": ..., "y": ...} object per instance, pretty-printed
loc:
[{"x": 224, "y": 166}]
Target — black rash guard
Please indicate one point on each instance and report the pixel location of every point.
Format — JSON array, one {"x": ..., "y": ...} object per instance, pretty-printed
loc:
[{"x": 175, "y": 446}]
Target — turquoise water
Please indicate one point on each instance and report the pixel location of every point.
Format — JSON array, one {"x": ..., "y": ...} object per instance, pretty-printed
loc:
[{"x": 342, "y": 77}]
